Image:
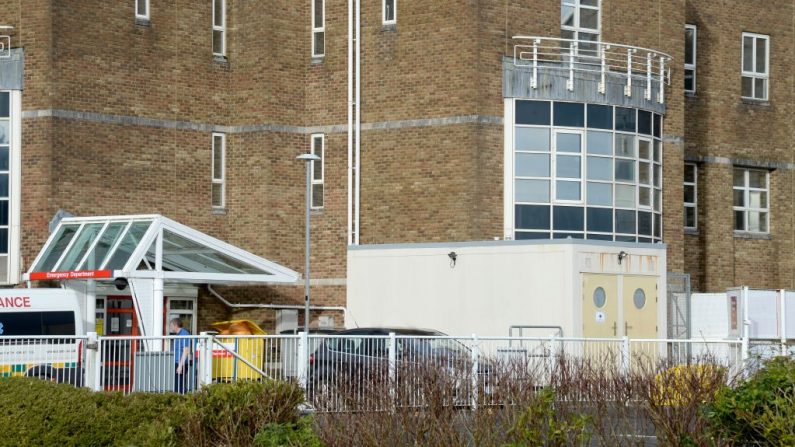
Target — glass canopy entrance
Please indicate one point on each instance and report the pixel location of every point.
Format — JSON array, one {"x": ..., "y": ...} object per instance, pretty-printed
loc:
[
  {"x": 148, "y": 246},
  {"x": 146, "y": 252}
]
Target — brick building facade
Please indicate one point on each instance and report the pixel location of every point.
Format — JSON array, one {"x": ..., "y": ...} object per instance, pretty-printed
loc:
[{"x": 118, "y": 113}]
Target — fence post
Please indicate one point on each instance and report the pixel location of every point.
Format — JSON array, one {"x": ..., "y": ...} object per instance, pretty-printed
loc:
[
  {"x": 392, "y": 354},
  {"x": 746, "y": 346},
  {"x": 551, "y": 359},
  {"x": 302, "y": 365},
  {"x": 625, "y": 355},
  {"x": 93, "y": 363},
  {"x": 783, "y": 320},
  {"x": 205, "y": 347},
  {"x": 475, "y": 370}
]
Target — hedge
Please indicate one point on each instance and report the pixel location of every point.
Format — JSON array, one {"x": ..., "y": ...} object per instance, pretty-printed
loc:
[{"x": 37, "y": 412}]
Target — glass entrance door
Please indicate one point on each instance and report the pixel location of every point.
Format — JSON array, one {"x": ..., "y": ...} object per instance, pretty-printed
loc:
[{"x": 118, "y": 355}]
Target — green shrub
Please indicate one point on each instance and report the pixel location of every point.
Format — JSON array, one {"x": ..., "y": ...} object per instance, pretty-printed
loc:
[
  {"x": 761, "y": 410},
  {"x": 541, "y": 424},
  {"x": 300, "y": 434},
  {"x": 233, "y": 414},
  {"x": 37, "y": 412}
]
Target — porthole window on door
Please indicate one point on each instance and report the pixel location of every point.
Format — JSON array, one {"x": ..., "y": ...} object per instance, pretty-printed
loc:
[
  {"x": 639, "y": 298},
  {"x": 599, "y": 297}
]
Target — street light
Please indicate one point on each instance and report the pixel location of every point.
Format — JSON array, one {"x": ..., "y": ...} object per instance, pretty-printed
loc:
[{"x": 308, "y": 158}]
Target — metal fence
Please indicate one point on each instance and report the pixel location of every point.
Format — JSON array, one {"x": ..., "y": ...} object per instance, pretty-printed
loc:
[{"x": 362, "y": 372}]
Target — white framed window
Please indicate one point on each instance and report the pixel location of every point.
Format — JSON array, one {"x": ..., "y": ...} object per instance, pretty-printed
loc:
[
  {"x": 389, "y": 10},
  {"x": 580, "y": 20},
  {"x": 142, "y": 9},
  {"x": 318, "y": 28},
  {"x": 755, "y": 66},
  {"x": 691, "y": 38},
  {"x": 751, "y": 200},
  {"x": 318, "y": 170},
  {"x": 219, "y": 27},
  {"x": 691, "y": 196},
  {"x": 10, "y": 185},
  {"x": 219, "y": 170},
  {"x": 567, "y": 162}
]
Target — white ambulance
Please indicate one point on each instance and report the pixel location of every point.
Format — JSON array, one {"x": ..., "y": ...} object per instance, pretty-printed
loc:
[{"x": 38, "y": 329}]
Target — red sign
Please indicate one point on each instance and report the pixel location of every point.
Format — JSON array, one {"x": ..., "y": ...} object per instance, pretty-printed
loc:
[
  {"x": 14, "y": 301},
  {"x": 79, "y": 274}
]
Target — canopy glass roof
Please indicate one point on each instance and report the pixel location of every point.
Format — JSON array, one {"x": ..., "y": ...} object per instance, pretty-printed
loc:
[{"x": 145, "y": 247}]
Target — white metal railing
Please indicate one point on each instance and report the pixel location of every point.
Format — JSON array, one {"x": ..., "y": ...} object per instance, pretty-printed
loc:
[
  {"x": 352, "y": 372},
  {"x": 602, "y": 59}
]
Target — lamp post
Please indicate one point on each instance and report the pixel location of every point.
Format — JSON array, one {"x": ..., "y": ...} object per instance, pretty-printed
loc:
[{"x": 308, "y": 158}]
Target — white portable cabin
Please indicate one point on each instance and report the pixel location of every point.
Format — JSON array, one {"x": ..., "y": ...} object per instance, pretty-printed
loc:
[{"x": 571, "y": 287}]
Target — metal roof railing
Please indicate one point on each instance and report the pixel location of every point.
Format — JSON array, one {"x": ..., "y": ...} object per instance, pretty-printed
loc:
[{"x": 634, "y": 64}]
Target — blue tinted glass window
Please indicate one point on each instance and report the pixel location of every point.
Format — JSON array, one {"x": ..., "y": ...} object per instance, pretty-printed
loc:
[
  {"x": 644, "y": 122},
  {"x": 568, "y": 218},
  {"x": 600, "y": 237},
  {"x": 3, "y": 185},
  {"x": 644, "y": 239},
  {"x": 522, "y": 235},
  {"x": 600, "y": 219},
  {"x": 625, "y": 221},
  {"x": 644, "y": 223},
  {"x": 3, "y": 212},
  {"x": 569, "y": 114},
  {"x": 657, "y": 125},
  {"x": 5, "y": 105},
  {"x": 600, "y": 117},
  {"x": 567, "y": 235},
  {"x": 4, "y": 240},
  {"x": 532, "y": 217},
  {"x": 4, "y": 158},
  {"x": 532, "y": 112},
  {"x": 657, "y": 225},
  {"x": 625, "y": 119},
  {"x": 626, "y": 239}
]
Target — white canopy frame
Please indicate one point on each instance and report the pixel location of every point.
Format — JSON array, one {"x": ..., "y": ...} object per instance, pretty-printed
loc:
[{"x": 96, "y": 248}]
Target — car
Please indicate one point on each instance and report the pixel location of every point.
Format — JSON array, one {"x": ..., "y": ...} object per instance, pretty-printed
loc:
[{"x": 359, "y": 358}]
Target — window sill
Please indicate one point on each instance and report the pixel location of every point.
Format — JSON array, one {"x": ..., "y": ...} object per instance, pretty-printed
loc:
[
  {"x": 219, "y": 59},
  {"x": 318, "y": 59},
  {"x": 142, "y": 22},
  {"x": 691, "y": 95},
  {"x": 219, "y": 211},
  {"x": 756, "y": 102},
  {"x": 691, "y": 231},
  {"x": 388, "y": 27},
  {"x": 316, "y": 211},
  {"x": 750, "y": 235}
]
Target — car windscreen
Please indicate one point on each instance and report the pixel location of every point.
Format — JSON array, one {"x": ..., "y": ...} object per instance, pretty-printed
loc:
[{"x": 37, "y": 323}]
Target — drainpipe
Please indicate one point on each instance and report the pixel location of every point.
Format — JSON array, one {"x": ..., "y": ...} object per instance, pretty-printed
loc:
[
  {"x": 350, "y": 122},
  {"x": 226, "y": 303},
  {"x": 358, "y": 118}
]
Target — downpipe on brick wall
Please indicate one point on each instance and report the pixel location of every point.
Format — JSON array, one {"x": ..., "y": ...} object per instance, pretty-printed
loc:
[
  {"x": 354, "y": 120},
  {"x": 343, "y": 309}
]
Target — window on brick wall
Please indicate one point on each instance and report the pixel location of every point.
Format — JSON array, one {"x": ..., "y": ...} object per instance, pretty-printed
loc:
[
  {"x": 142, "y": 9},
  {"x": 219, "y": 170},
  {"x": 219, "y": 27},
  {"x": 690, "y": 58},
  {"x": 579, "y": 20},
  {"x": 751, "y": 200},
  {"x": 318, "y": 28},
  {"x": 10, "y": 185},
  {"x": 691, "y": 196},
  {"x": 318, "y": 170},
  {"x": 755, "y": 66},
  {"x": 389, "y": 8}
]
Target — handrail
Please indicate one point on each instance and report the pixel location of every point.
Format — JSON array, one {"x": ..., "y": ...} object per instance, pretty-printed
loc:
[{"x": 645, "y": 65}]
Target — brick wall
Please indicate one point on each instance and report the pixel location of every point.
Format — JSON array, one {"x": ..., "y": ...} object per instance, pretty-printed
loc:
[{"x": 443, "y": 59}]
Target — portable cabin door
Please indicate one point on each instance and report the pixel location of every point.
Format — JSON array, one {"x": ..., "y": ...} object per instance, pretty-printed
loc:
[
  {"x": 600, "y": 305},
  {"x": 639, "y": 295}
]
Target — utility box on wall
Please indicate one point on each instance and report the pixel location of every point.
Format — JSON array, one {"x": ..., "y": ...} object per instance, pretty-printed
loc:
[{"x": 584, "y": 287}]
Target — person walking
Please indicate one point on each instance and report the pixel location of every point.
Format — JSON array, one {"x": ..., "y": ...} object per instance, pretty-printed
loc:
[{"x": 182, "y": 354}]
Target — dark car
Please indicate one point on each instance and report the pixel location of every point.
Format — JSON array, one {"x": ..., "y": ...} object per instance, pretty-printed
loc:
[{"x": 358, "y": 358}]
